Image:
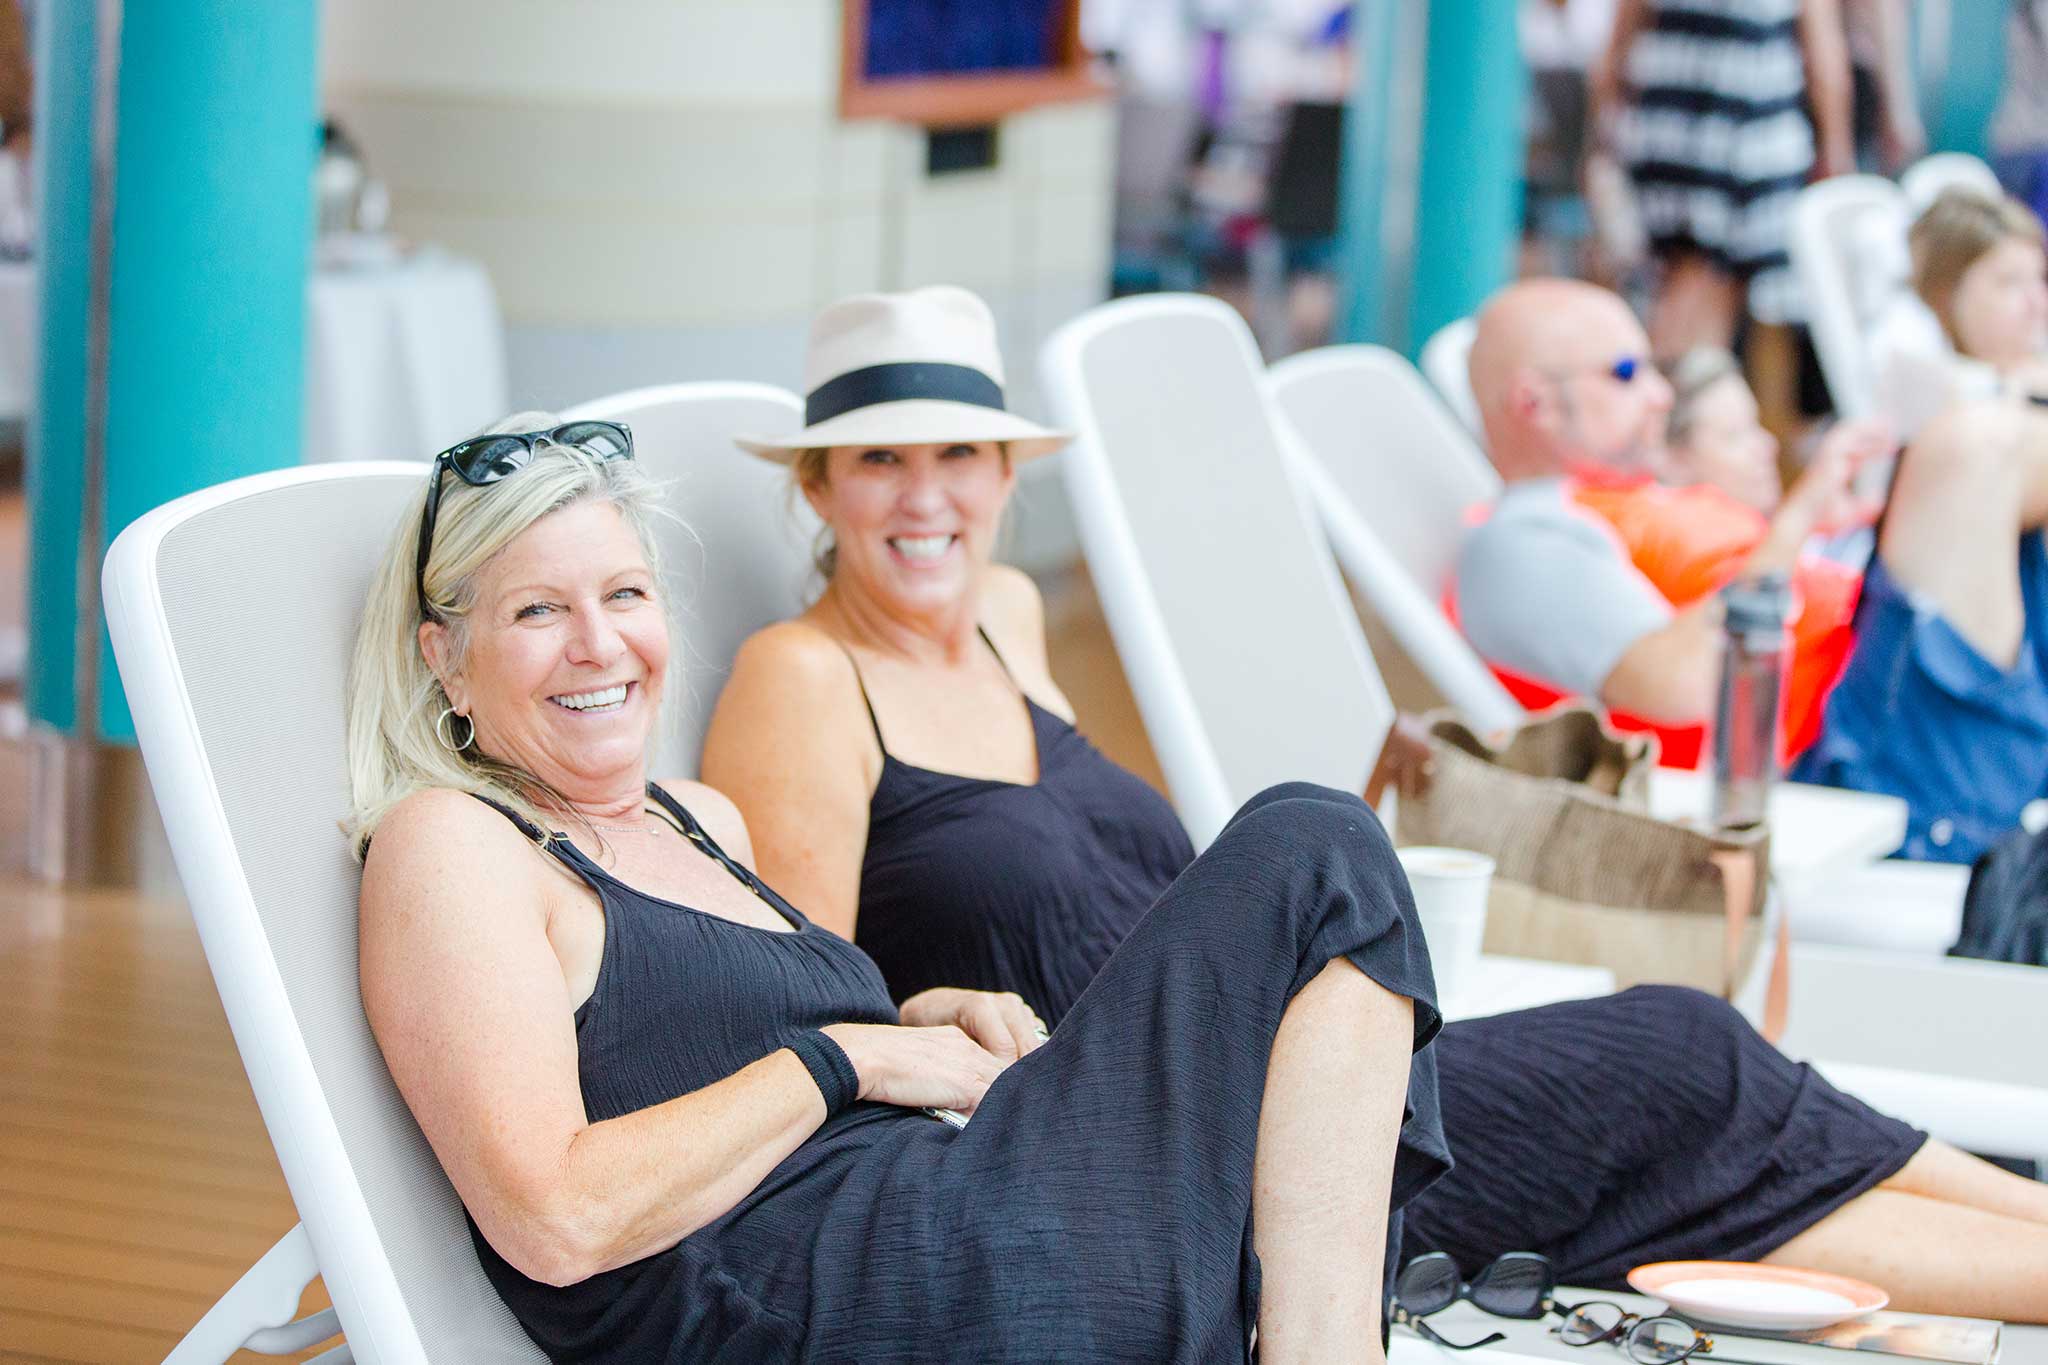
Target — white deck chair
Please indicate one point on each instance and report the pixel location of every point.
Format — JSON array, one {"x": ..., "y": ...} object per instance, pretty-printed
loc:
[
  {"x": 243, "y": 742},
  {"x": 1447, "y": 361},
  {"x": 1163, "y": 393},
  {"x": 739, "y": 557},
  {"x": 1848, "y": 248},
  {"x": 1391, "y": 476},
  {"x": 1924, "y": 180},
  {"x": 244, "y": 749},
  {"x": 1158, "y": 387}
]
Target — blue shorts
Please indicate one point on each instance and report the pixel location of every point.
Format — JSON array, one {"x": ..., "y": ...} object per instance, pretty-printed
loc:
[{"x": 1920, "y": 714}]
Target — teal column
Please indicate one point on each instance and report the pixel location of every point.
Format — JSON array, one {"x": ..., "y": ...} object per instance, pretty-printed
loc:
[
  {"x": 67, "y": 45},
  {"x": 1959, "y": 119},
  {"x": 1370, "y": 119},
  {"x": 1469, "y": 186},
  {"x": 213, "y": 220}
]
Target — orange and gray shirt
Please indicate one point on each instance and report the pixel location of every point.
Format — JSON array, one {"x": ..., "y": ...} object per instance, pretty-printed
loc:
[{"x": 1565, "y": 574}]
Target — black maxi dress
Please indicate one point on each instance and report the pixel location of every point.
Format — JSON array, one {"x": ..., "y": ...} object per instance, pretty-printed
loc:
[
  {"x": 1098, "y": 1206},
  {"x": 1651, "y": 1125}
]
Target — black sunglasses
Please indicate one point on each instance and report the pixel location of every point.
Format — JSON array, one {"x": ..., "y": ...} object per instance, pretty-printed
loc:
[
  {"x": 483, "y": 460},
  {"x": 1517, "y": 1285}
]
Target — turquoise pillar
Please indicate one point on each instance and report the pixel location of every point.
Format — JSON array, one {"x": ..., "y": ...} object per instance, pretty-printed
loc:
[
  {"x": 1468, "y": 199},
  {"x": 215, "y": 133},
  {"x": 1430, "y": 204},
  {"x": 1959, "y": 116},
  {"x": 1371, "y": 116},
  {"x": 67, "y": 44}
]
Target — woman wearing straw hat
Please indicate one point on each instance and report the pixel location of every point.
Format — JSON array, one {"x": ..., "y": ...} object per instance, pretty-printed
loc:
[{"x": 911, "y": 774}]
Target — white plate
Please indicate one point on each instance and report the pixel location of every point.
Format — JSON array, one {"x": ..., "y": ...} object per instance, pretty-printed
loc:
[{"x": 1736, "y": 1294}]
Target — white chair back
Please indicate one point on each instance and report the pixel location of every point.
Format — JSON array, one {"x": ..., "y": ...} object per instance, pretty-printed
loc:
[
  {"x": 1447, "y": 360},
  {"x": 1392, "y": 477},
  {"x": 1924, "y": 180},
  {"x": 1848, "y": 248},
  {"x": 738, "y": 556},
  {"x": 239, "y": 714},
  {"x": 1246, "y": 659}
]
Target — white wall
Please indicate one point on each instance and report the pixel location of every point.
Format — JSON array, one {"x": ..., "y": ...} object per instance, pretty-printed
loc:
[{"x": 663, "y": 190}]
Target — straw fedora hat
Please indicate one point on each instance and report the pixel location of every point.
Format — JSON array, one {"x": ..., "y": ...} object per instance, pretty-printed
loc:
[{"x": 914, "y": 368}]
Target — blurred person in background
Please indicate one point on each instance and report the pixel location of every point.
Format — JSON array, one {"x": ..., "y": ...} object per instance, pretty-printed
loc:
[
  {"x": 1884, "y": 107},
  {"x": 2019, "y": 130},
  {"x": 1981, "y": 266},
  {"x": 1594, "y": 574},
  {"x": 1715, "y": 433},
  {"x": 1707, "y": 103}
]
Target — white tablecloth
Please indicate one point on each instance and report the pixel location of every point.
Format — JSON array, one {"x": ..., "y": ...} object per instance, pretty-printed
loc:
[{"x": 402, "y": 359}]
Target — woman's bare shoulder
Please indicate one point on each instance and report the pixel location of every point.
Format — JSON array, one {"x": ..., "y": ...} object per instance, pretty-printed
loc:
[
  {"x": 795, "y": 647},
  {"x": 438, "y": 837},
  {"x": 716, "y": 812},
  {"x": 1013, "y": 599}
]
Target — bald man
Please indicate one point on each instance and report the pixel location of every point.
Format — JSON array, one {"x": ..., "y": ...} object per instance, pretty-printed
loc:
[{"x": 1595, "y": 576}]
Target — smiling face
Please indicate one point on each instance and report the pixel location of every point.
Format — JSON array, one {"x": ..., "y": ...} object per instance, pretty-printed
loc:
[
  {"x": 566, "y": 654},
  {"x": 2000, "y": 306},
  {"x": 1725, "y": 444},
  {"x": 915, "y": 525}
]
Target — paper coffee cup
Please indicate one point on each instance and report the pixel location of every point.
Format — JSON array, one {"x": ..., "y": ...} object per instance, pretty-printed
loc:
[{"x": 1449, "y": 886}]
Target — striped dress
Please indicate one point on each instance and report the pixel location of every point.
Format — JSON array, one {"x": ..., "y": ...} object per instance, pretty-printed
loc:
[{"x": 1717, "y": 138}]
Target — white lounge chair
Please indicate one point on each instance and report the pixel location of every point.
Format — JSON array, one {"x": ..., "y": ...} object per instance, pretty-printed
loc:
[
  {"x": 1165, "y": 397},
  {"x": 1924, "y": 180},
  {"x": 243, "y": 742},
  {"x": 738, "y": 554},
  {"x": 1848, "y": 246},
  {"x": 1391, "y": 477},
  {"x": 1214, "y": 575},
  {"x": 1446, "y": 360}
]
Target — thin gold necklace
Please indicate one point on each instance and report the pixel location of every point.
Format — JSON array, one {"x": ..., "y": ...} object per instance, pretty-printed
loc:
[{"x": 650, "y": 828}]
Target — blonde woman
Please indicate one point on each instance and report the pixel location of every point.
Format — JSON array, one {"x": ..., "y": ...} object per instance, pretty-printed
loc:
[{"x": 687, "y": 1122}]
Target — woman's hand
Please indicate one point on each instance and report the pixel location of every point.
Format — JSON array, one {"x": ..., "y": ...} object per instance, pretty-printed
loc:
[
  {"x": 1000, "y": 1021},
  {"x": 938, "y": 1068}
]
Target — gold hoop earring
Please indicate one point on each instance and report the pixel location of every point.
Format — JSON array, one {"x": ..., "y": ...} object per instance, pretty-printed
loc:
[{"x": 445, "y": 733}]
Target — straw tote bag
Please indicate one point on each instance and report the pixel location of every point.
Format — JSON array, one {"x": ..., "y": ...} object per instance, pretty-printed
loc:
[{"x": 1583, "y": 872}]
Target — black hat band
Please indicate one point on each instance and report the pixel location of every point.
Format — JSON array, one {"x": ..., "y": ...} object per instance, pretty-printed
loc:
[{"x": 897, "y": 381}]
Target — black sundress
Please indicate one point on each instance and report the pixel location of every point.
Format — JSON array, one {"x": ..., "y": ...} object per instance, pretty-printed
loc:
[
  {"x": 1651, "y": 1125},
  {"x": 1098, "y": 1206}
]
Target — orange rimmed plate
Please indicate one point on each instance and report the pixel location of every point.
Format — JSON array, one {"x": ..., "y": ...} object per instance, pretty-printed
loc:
[{"x": 1740, "y": 1294}]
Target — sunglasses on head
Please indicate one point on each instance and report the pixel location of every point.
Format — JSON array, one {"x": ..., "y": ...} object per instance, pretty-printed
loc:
[{"x": 483, "y": 460}]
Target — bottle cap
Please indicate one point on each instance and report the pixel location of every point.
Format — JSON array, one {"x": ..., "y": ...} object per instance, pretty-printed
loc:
[{"x": 1762, "y": 602}]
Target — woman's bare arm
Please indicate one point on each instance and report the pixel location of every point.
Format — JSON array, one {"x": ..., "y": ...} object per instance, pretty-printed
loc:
[
  {"x": 1826, "y": 46},
  {"x": 467, "y": 1002},
  {"x": 792, "y": 746}
]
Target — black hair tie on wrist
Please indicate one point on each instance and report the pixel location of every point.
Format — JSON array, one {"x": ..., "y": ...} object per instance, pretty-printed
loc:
[{"x": 830, "y": 1067}]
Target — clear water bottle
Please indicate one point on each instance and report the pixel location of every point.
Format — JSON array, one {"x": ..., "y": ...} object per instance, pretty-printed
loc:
[{"x": 1746, "y": 713}]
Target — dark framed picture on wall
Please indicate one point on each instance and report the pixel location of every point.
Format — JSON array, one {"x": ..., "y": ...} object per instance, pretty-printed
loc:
[{"x": 954, "y": 62}]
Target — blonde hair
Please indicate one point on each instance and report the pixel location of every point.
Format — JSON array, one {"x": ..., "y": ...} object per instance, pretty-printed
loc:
[
  {"x": 1953, "y": 233},
  {"x": 394, "y": 700}
]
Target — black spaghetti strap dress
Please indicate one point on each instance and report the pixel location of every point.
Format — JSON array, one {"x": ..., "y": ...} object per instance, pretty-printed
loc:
[
  {"x": 1098, "y": 1206},
  {"x": 1655, "y": 1124}
]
